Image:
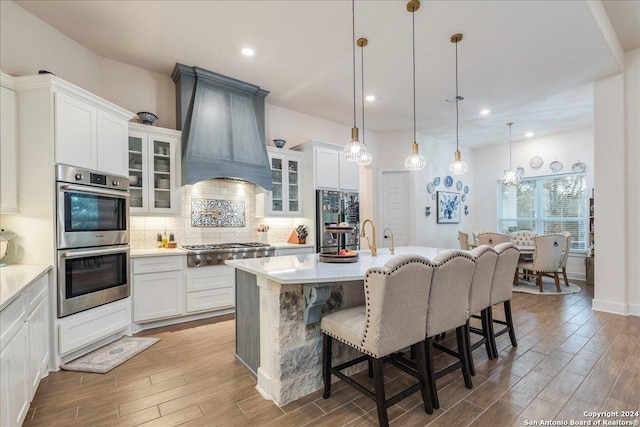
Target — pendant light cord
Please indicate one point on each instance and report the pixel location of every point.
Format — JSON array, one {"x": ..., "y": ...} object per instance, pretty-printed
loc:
[
  {"x": 353, "y": 28},
  {"x": 362, "y": 82},
  {"x": 413, "y": 34},
  {"x": 457, "y": 99},
  {"x": 510, "y": 168}
]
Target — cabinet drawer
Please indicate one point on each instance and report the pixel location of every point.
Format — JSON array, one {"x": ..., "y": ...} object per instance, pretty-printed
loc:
[
  {"x": 157, "y": 264},
  {"x": 90, "y": 326},
  {"x": 211, "y": 300},
  {"x": 11, "y": 319},
  {"x": 220, "y": 276},
  {"x": 37, "y": 291}
]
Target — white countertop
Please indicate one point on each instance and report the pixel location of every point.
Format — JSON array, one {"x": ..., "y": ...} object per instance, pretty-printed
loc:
[
  {"x": 290, "y": 245},
  {"x": 14, "y": 278},
  {"x": 156, "y": 252},
  {"x": 293, "y": 269}
]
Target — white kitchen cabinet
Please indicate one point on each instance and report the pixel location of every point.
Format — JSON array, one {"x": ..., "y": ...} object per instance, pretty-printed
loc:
[
  {"x": 331, "y": 170},
  {"x": 8, "y": 147},
  {"x": 210, "y": 288},
  {"x": 14, "y": 370},
  {"x": 39, "y": 345},
  {"x": 154, "y": 170},
  {"x": 89, "y": 137},
  {"x": 284, "y": 199},
  {"x": 158, "y": 287}
]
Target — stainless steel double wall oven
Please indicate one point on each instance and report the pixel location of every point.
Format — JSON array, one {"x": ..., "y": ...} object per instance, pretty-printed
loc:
[{"x": 92, "y": 238}]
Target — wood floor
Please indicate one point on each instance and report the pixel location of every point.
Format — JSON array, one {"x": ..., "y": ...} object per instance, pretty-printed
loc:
[{"x": 569, "y": 360}]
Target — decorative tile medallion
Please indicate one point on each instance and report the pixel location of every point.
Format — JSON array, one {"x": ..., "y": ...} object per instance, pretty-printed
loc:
[{"x": 217, "y": 213}]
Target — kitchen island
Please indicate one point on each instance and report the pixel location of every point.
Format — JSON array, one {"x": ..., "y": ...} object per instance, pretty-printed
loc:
[{"x": 279, "y": 302}]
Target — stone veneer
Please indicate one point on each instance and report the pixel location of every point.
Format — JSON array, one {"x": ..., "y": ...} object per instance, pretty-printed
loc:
[
  {"x": 144, "y": 229},
  {"x": 291, "y": 352}
]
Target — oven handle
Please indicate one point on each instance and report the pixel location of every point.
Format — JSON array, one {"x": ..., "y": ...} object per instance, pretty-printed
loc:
[
  {"x": 80, "y": 253},
  {"x": 94, "y": 190}
]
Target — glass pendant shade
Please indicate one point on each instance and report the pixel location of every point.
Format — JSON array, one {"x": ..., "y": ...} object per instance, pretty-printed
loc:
[
  {"x": 353, "y": 150},
  {"x": 510, "y": 177},
  {"x": 457, "y": 167},
  {"x": 416, "y": 160},
  {"x": 365, "y": 158}
]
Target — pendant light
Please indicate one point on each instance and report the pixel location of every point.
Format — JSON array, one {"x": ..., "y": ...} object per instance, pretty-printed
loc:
[
  {"x": 509, "y": 176},
  {"x": 365, "y": 158},
  {"x": 457, "y": 167},
  {"x": 353, "y": 149},
  {"x": 416, "y": 160}
]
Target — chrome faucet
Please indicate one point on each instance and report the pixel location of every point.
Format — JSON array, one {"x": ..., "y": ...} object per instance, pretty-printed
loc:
[
  {"x": 372, "y": 247},
  {"x": 391, "y": 249}
]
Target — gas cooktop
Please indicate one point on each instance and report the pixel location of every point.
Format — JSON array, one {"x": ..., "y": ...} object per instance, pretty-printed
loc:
[{"x": 217, "y": 253}]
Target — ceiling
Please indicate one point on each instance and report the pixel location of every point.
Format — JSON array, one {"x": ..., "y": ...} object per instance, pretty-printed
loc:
[{"x": 529, "y": 62}]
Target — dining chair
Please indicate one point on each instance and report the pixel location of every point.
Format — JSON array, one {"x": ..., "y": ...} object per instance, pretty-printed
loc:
[
  {"x": 394, "y": 317},
  {"x": 522, "y": 237},
  {"x": 565, "y": 256},
  {"x": 501, "y": 292},
  {"x": 463, "y": 238},
  {"x": 479, "y": 299},
  {"x": 492, "y": 239},
  {"x": 546, "y": 259}
]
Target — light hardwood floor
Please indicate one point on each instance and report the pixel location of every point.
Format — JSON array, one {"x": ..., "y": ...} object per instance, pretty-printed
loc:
[{"x": 569, "y": 360}]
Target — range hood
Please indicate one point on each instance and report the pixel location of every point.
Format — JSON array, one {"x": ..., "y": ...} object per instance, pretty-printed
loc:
[{"x": 222, "y": 122}]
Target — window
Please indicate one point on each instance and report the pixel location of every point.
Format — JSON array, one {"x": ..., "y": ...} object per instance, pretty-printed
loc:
[{"x": 548, "y": 204}]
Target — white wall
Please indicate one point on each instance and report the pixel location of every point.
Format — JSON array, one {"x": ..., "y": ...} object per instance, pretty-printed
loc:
[{"x": 393, "y": 149}]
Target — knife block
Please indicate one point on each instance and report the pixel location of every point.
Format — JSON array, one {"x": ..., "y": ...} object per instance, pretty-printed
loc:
[{"x": 293, "y": 238}]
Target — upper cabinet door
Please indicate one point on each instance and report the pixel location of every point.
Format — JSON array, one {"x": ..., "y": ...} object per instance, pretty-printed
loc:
[
  {"x": 112, "y": 144},
  {"x": 349, "y": 175},
  {"x": 327, "y": 168},
  {"x": 75, "y": 132},
  {"x": 8, "y": 153}
]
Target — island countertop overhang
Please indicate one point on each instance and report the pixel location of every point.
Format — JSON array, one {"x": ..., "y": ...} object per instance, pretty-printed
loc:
[{"x": 303, "y": 269}]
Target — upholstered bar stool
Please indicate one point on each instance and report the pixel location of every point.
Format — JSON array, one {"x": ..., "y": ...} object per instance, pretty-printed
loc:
[
  {"x": 448, "y": 309},
  {"x": 502, "y": 291},
  {"x": 492, "y": 239},
  {"x": 393, "y": 318},
  {"x": 480, "y": 298}
]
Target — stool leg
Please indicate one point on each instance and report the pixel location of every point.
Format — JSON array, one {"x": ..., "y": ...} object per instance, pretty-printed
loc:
[
  {"x": 564, "y": 275},
  {"x": 370, "y": 367},
  {"x": 326, "y": 364},
  {"x": 431, "y": 377},
  {"x": 491, "y": 335},
  {"x": 422, "y": 376},
  {"x": 484, "y": 316},
  {"x": 463, "y": 353},
  {"x": 378, "y": 383},
  {"x": 509, "y": 319},
  {"x": 467, "y": 338}
]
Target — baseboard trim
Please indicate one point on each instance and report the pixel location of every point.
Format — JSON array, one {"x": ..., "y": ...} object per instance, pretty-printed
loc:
[
  {"x": 634, "y": 309},
  {"x": 610, "y": 307}
]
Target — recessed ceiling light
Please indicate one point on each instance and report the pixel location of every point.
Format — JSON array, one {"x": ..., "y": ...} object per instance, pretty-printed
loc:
[
  {"x": 485, "y": 112},
  {"x": 528, "y": 134},
  {"x": 247, "y": 51},
  {"x": 370, "y": 98}
]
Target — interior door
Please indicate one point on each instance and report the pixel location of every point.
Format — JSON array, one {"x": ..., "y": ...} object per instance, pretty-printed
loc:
[{"x": 395, "y": 212}]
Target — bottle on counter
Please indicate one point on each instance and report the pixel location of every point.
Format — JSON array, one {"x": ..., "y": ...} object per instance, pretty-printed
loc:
[
  {"x": 165, "y": 240},
  {"x": 159, "y": 240}
]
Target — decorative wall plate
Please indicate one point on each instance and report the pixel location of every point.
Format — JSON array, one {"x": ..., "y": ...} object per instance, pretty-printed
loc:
[
  {"x": 430, "y": 187},
  {"x": 520, "y": 172},
  {"x": 436, "y": 181},
  {"x": 433, "y": 196},
  {"x": 463, "y": 198},
  {"x": 448, "y": 181},
  {"x": 459, "y": 185},
  {"x": 466, "y": 189},
  {"x": 579, "y": 167},
  {"x": 555, "y": 166},
  {"x": 536, "y": 162}
]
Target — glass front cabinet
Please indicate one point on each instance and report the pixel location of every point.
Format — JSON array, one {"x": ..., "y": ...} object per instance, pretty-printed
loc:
[
  {"x": 154, "y": 170},
  {"x": 284, "y": 198}
]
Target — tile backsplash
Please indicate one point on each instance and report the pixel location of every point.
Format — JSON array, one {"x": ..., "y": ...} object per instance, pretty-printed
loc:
[{"x": 144, "y": 230}]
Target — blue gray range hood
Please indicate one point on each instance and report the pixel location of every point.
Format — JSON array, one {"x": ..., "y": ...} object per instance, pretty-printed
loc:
[{"x": 222, "y": 121}]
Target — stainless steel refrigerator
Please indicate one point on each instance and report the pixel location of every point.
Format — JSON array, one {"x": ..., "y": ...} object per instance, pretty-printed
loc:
[{"x": 334, "y": 207}]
